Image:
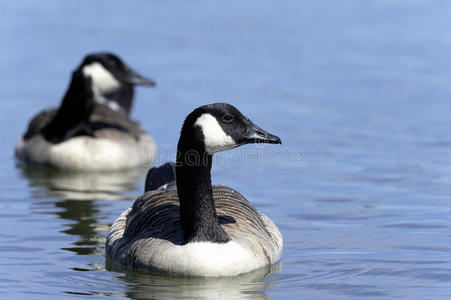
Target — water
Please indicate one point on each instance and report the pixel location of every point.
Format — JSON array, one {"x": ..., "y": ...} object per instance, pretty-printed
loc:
[{"x": 360, "y": 88}]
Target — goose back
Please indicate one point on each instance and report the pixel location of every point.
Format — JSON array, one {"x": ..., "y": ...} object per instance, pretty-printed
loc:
[
  {"x": 142, "y": 235},
  {"x": 113, "y": 135}
]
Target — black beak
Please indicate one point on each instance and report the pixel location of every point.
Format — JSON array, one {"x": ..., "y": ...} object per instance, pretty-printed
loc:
[
  {"x": 134, "y": 78},
  {"x": 257, "y": 135}
]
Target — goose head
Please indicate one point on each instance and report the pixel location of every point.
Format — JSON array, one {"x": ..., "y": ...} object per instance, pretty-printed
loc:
[
  {"x": 112, "y": 80},
  {"x": 220, "y": 126},
  {"x": 109, "y": 73}
]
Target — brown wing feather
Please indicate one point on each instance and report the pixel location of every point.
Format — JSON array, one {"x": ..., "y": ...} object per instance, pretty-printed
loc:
[
  {"x": 39, "y": 121},
  {"x": 105, "y": 123}
]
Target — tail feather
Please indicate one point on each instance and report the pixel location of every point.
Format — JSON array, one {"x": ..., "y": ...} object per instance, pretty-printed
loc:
[{"x": 162, "y": 177}]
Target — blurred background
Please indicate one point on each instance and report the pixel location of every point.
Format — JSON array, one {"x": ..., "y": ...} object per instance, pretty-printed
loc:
[{"x": 361, "y": 88}]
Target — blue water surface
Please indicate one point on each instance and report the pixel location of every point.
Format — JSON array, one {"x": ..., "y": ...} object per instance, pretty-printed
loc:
[{"x": 358, "y": 91}]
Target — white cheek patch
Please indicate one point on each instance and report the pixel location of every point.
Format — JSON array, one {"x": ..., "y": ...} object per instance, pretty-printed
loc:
[
  {"x": 215, "y": 138},
  {"x": 103, "y": 81}
]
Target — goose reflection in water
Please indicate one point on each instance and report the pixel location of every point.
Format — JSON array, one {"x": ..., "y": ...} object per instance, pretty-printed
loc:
[
  {"x": 150, "y": 285},
  {"x": 53, "y": 183},
  {"x": 78, "y": 197}
]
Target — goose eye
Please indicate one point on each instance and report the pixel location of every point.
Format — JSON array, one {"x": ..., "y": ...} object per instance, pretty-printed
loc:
[{"x": 227, "y": 118}]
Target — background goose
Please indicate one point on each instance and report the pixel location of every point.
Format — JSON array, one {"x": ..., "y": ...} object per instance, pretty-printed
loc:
[
  {"x": 91, "y": 129},
  {"x": 199, "y": 229}
]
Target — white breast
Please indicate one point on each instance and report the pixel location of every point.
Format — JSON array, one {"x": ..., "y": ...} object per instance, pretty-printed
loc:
[
  {"x": 86, "y": 153},
  {"x": 206, "y": 259}
]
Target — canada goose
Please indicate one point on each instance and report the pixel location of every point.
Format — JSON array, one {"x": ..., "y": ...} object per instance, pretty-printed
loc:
[
  {"x": 91, "y": 129},
  {"x": 199, "y": 229}
]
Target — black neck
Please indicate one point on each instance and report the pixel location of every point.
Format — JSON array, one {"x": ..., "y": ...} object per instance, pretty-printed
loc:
[
  {"x": 72, "y": 118},
  {"x": 197, "y": 208},
  {"x": 123, "y": 96}
]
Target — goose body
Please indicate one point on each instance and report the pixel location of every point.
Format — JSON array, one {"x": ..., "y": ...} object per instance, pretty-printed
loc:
[
  {"x": 89, "y": 131},
  {"x": 116, "y": 143},
  {"x": 198, "y": 229}
]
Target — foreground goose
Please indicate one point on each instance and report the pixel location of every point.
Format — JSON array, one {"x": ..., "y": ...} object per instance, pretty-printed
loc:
[
  {"x": 199, "y": 229},
  {"x": 91, "y": 129}
]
